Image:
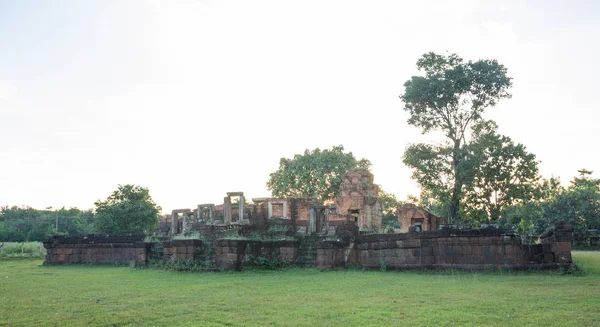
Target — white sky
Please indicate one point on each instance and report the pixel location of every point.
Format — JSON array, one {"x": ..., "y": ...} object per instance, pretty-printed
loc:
[{"x": 193, "y": 99}]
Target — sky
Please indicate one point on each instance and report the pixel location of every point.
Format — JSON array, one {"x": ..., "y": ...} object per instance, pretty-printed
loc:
[{"x": 193, "y": 99}]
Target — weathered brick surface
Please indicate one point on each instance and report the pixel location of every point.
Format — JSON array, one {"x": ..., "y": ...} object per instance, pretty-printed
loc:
[
  {"x": 101, "y": 248},
  {"x": 469, "y": 249}
]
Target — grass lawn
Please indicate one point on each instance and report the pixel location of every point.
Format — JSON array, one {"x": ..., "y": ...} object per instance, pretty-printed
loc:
[{"x": 35, "y": 295}]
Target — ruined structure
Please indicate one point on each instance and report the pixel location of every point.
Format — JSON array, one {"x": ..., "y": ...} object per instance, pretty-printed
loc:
[
  {"x": 307, "y": 233},
  {"x": 409, "y": 215},
  {"x": 358, "y": 201}
]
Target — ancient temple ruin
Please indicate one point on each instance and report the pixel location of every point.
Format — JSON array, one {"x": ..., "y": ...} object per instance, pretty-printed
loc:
[
  {"x": 357, "y": 204},
  {"x": 409, "y": 215},
  {"x": 307, "y": 233}
]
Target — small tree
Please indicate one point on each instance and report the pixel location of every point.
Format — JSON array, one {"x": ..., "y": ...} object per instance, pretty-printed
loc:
[
  {"x": 129, "y": 209},
  {"x": 315, "y": 173}
]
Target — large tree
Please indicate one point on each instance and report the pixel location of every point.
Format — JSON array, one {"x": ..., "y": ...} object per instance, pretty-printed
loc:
[
  {"x": 316, "y": 173},
  {"x": 129, "y": 209},
  {"x": 451, "y": 98}
]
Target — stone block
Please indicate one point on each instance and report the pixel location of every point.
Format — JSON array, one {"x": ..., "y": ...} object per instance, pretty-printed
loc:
[
  {"x": 509, "y": 250},
  {"x": 191, "y": 250},
  {"x": 362, "y": 256},
  {"x": 426, "y": 251},
  {"x": 563, "y": 257},
  {"x": 401, "y": 252},
  {"x": 548, "y": 257},
  {"x": 412, "y": 243},
  {"x": 561, "y": 247},
  {"x": 427, "y": 260},
  {"x": 547, "y": 247}
]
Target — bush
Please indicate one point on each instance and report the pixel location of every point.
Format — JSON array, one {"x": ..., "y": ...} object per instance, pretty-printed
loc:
[
  {"x": 263, "y": 263},
  {"x": 25, "y": 249}
]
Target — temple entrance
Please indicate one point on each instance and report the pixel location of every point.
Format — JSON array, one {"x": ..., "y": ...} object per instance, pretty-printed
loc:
[{"x": 355, "y": 216}]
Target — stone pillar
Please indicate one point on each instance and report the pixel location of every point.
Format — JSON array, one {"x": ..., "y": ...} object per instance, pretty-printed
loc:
[
  {"x": 311, "y": 221},
  {"x": 184, "y": 222},
  {"x": 173, "y": 224},
  {"x": 227, "y": 210},
  {"x": 284, "y": 213},
  {"x": 199, "y": 213},
  {"x": 270, "y": 210},
  {"x": 241, "y": 209},
  {"x": 210, "y": 214}
]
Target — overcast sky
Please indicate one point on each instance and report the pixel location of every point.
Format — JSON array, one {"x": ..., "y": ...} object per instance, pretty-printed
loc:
[{"x": 194, "y": 99}]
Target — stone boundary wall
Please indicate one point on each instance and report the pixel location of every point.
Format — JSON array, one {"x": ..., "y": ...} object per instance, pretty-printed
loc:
[
  {"x": 230, "y": 254},
  {"x": 97, "y": 248},
  {"x": 442, "y": 249},
  {"x": 448, "y": 249},
  {"x": 181, "y": 249}
]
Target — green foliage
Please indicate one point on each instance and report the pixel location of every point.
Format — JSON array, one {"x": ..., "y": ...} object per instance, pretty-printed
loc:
[
  {"x": 24, "y": 249},
  {"x": 577, "y": 205},
  {"x": 501, "y": 174},
  {"x": 129, "y": 209},
  {"x": 390, "y": 204},
  {"x": 316, "y": 173},
  {"x": 278, "y": 231},
  {"x": 382, "y": 265},
  {"x": 251, "y": 262},
  {"x": 21, "y": 224},
  {"x": 450, "y": 98}
]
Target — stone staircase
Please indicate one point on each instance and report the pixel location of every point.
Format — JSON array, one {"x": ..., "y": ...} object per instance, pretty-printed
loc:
[{"x": 307, "y": 251}]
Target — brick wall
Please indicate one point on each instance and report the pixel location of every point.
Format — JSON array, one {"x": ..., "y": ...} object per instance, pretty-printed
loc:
[
  {"x": 100, "y": 248},
  {"x": 231, "y": 253},
  {"x": 449, "y": 249}
]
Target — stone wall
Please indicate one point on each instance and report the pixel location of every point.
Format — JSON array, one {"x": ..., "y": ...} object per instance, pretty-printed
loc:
[
  {"x": 449, "y": 249},
  {"x": 230, "y": 254},
  {"x": 100, "y": 249},
  {"x": 441, "y": 249},
  {"x": 410, "y": 215},
  {"x": 182, "y": 249}
]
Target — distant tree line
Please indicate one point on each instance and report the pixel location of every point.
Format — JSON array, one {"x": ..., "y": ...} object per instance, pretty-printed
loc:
[
  {"x": 23, "y": 224},
  {"x": 129, "y": 209}
]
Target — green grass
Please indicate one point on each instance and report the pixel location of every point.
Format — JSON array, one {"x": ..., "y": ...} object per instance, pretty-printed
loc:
[{"x": 34, "y": 295}]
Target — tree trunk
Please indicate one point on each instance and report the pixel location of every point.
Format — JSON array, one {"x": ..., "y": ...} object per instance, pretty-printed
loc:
[{"x": 456, "y": 190}]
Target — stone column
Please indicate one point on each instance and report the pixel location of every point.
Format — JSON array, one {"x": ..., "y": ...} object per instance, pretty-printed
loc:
[
  {"x": 227, "y": 210},
  {"x": 284, "y": 213},
  {"x": 210, "y": 214},
  {"x": 173, "y": 224},
  {"x": 184, "y": 222},
  {"x": 199, "y": 213},
  {"x": 270, "y": 210},
  {"x": 311, "y": 221},
  {"x": 241, "y": 208}
]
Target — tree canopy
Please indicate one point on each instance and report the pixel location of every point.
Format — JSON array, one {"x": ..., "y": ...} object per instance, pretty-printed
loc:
[
  {"x": 503, "y": 174},
  {"x": 316, "y": 173},
  {"x": 28, "y": 224},
  {"x": 129, "y": 209},
  {"x": 577, "y": 205},
  {"x": 450, "y": 98}
]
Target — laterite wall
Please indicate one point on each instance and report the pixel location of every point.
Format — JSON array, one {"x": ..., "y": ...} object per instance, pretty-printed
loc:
[
  {"x": 98, "y": 248},
  {"x": 449, "y": 249}
]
